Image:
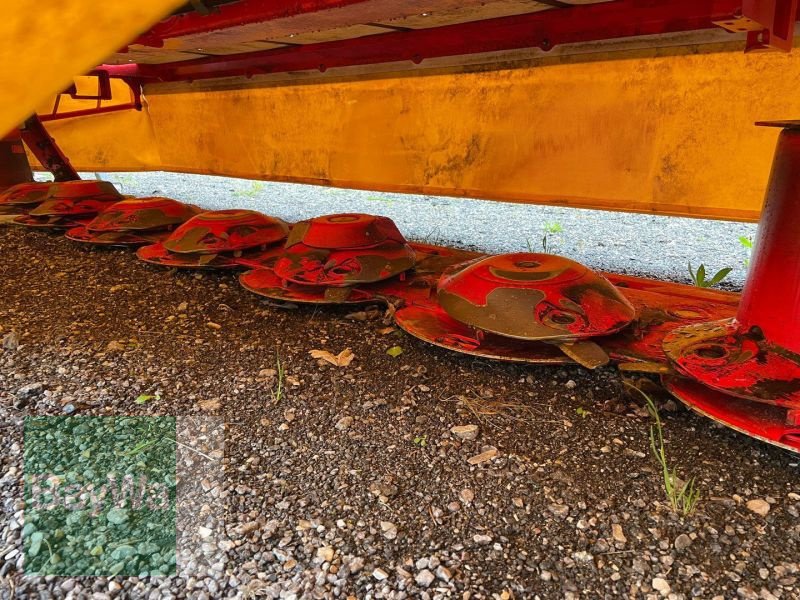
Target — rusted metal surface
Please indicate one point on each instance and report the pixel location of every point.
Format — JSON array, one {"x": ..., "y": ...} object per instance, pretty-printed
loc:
[
  {"x": 46, "y": 151},
  {"x": 220, "y": 231},
  {"x": 265, "y": 282},
  {"x": 82, "y": 234},
  {"x": 658, "y": 313},
  {"x": 143, "y": 214},
  {"x": 20, "y": 198},
  {"x": 221, "y": 239},
  {"x": 543, "y": 29},
  {"x": 157, "y": 254},
  {"x": 344, "y": 250},
  {"x": 429, "y": 322},
  {"x": 71, "y": 204},
  {"x": 52, "y": 222},
  {"x": 135, "y": 221},
  {"x": 532, "y": 296},
  {"x": 770, "y": 424},
  {"x": 736, "y": 361}
]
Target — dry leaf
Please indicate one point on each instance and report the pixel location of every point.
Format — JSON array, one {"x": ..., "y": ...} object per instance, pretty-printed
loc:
[
  {"x": 360, "y": 315},
  {"x": 209, "y": 405},
  {"x": 344, "y": 358},
  {"x": 388, "y": 316},
  {"x": 386, "y": 330}
]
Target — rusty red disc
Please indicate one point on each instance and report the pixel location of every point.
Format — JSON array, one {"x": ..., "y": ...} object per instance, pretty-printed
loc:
[
  {"x": 265, "y": 282},
  {"x": 430, "y": 323},
  {"x": 534, "y": 297},
  {"x": 84, "y": 188},
  {"x": 771, "y": 424},
  {"x": 658, "y": 313},
  {"x": 220, "y": 231},
  {"x": 344, "y": 250},
  {"x": 23, "y": 194},
  {"x": 115, "y": 238},
  {"x": 71, "y": 207},
  {"x": 157, "y": 254},
  {"x": 737, "y": 362},
  {"x": 52, "y": 222},
  {"x": 143, "y": 214}
]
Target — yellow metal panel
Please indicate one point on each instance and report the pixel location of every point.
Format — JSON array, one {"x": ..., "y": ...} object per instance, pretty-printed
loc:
[
  {"x": 116, "y": 141},
  {"x": 651, "y": 133},
  {"x": 44, "y": 44}
]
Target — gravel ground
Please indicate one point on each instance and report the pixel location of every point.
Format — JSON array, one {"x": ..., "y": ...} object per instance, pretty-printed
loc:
[
  {"x": 351, "y": 482},
  {"x": 647, "y": 245}
]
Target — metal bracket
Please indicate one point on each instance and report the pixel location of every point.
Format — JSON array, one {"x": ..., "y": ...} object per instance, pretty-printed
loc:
[{"x": 769, "y": 24}]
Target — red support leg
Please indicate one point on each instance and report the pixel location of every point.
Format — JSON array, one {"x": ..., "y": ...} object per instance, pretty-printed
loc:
[
  {"x": 44, "y": 148},
  {"x": 14, "y": 167},
  {"x": 771, "y": 297},
  {"x": 738, "y": 367}
]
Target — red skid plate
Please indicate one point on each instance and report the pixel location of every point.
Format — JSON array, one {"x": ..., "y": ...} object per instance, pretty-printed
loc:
[
  {"x": 115, "y": 238},
  {"x": 157, "y": 254},
  {"x": 430, "y": 323},
  {"x": 770, "y": 424},
  {"x": 52, "y": 222},
  {"x": 265, "y": 282}
]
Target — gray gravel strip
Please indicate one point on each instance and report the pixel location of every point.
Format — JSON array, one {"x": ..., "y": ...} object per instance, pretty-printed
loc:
[
  {"x": 636, "y": 244},
  {"x": 427, "y": 474}
]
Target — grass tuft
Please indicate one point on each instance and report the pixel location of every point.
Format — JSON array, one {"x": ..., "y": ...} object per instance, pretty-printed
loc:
[
  {"x": 683, "y": 496},
  {"x": 277, "y": 391}
]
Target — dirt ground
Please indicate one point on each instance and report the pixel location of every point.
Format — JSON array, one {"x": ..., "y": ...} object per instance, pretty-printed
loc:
[{"x": 350, "y": 482}]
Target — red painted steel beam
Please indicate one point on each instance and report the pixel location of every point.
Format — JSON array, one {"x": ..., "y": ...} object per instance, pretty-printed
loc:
[
  {"x": 619, "y": 19},
  {"x": 771, "y": 296},
  {"x": 236, "y": 14},
  {"x": 46, "y": 151}
]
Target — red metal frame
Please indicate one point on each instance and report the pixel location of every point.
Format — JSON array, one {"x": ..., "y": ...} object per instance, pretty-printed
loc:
[
  {"x": 771, "y": 295},
  {"x": 235, "y": 14},
  {"x": 103, "y": 93},
  {"x": 46, "y": 151},
  {"x": 584, "y": 23}
]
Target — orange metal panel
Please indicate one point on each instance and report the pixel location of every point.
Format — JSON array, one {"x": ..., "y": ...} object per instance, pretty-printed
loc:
[
  {"x": 668, "y": 132},
  {"x": 44, "y": 44}
]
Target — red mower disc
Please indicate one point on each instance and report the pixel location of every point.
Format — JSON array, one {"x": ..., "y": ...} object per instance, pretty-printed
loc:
[
  {"x": 157, "y": 254},
  {"x": 143, "y": 214},
  {"x": 737, "y": 362},
  {"x": 658, "y": 313},
  {"x": 344, "y": 250},
  {"x": 134, "y": 222},
  {"x": 54, "y": 222},
  {"x": 226, "y": 231},
  {"x": 430, "y": 323},
  {"x": 70, "y": 203},
  {"x": 771, "y": 424},
  {"x": 20, "y": 198},
  {"x": 535, "y": 297},
  {"x": 115, "y": 238},
  {"x": 265, "y": 282}
]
